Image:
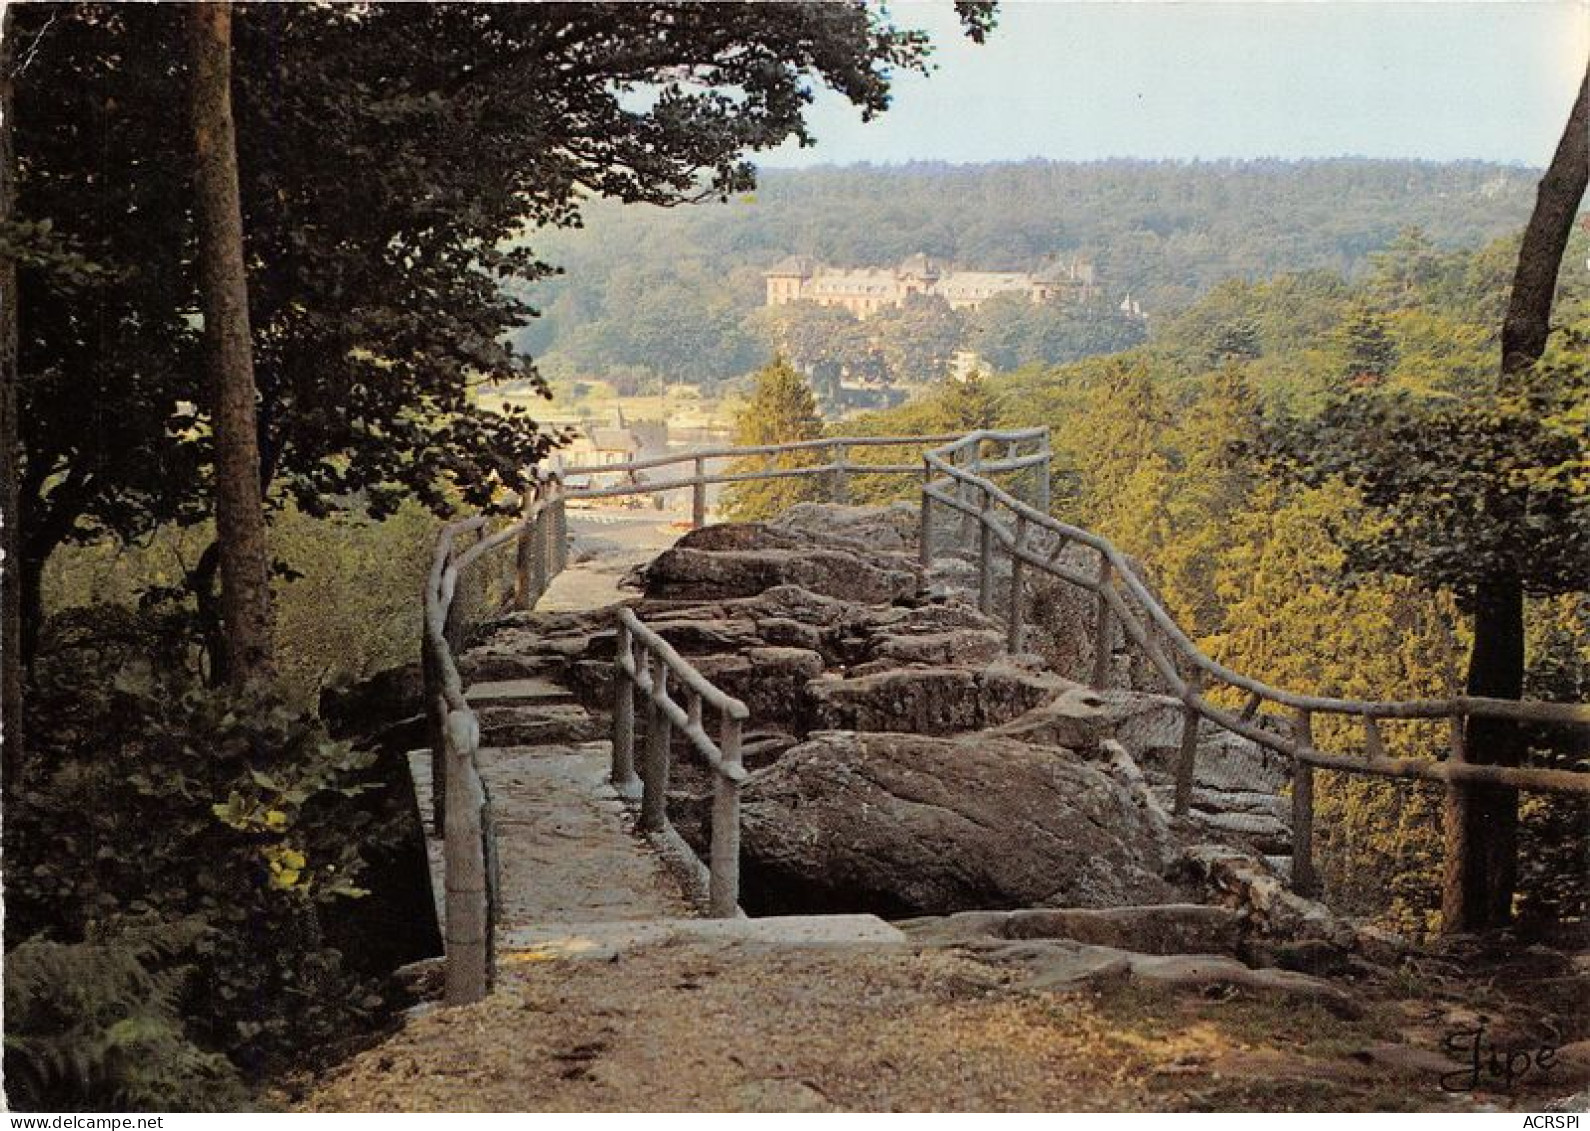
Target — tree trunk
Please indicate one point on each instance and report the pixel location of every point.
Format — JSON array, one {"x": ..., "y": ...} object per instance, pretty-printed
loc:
[
  {"x": 239, "y": 517},
  {"x": 1478, "y": 892},
  {"x": 212, "y": 631},
  {"x": 1528, "y": 320},
  {"x": 11, "y": 744}
]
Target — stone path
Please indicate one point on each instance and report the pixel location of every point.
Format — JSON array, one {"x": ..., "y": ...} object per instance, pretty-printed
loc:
[
  {"x": 564, "y": 841},
  {"x": 567, "y": 853},
  {"x": 607, "y": 545}
]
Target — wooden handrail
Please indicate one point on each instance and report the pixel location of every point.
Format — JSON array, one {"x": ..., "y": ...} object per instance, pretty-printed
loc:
[
  {"x": 952, "y": 478},
  {"x": 1572, "y": 714},
  {"x": 717, "y": 882}
]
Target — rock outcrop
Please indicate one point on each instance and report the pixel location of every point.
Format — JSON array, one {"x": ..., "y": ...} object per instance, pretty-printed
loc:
[
  {"x": 743, "y": 560},
  {"x": 903, "y": 761},
  {"x": 922, "y": 825}
]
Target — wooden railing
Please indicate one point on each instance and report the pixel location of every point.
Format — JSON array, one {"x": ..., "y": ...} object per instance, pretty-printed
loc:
[
  {"x": 836, "y": 468},
  {"x": 462, "y": 809},
  {"x": 1031, "y": 538},
  {"x": 960, "y": 475},
  {"x": 645, "y": 664}
]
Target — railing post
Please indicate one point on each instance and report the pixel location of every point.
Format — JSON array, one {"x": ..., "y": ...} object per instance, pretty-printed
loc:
[
  {"x": 1013, "y": 625},
  {"x": 723, "y": 885},
  {"x": 1305, "y": 881},
  {"x": 698, "y": 496},
  {"x": 659, "y": 736},
  {"x": 1102, "y": 627},
  {"x": 436, "y": 730},
  {"x": 524, "y": 552},
  {"x": 925, "y": 537},
  {"x": 560, "y": 521},
  {"x": 455, "y": 625},
  {"x": 624, "y": 780},
  {"x": 841, "y": 488},
  {"x": 965, "y": 491},
  {"x": 1041, "y": 473},
  {"x": 536, "y": 536},
  {"x": 468, "y": 974},
  {"x": 1455, "y": 905},
  {"x": 985, "y": 552},
  {"x": 1187, "y": 758}
]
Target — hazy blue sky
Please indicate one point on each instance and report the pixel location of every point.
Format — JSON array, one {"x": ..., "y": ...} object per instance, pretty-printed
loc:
[{"x": 1068, "y": 80}]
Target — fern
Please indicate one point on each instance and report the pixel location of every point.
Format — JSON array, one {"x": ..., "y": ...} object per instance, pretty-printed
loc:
[{"x": 96, "y": 1026}]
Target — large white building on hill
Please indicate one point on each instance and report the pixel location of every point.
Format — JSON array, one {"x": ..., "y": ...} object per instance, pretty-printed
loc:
[{"x": 865, "y": 290}]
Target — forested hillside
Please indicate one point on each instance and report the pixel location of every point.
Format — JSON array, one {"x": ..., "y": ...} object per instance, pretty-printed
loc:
[{"x": 669, "y": 291}]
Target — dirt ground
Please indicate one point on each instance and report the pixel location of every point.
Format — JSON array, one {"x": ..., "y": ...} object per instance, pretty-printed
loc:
[{"x": 696, "y": 1026}]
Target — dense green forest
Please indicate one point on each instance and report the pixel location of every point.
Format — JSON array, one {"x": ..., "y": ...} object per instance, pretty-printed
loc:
[{"x": 675, "y": 292}]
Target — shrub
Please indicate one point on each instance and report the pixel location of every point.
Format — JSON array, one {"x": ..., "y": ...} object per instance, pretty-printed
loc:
[
  {"x": 151, "y": 797},
  {"x": 96, "y": 1026}
]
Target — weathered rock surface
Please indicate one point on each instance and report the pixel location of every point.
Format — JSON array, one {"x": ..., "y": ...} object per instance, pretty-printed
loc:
[
  {"x": 922, "y": 700},
  {"x": 770, "y": 681},
  {"x": 743, "y": 560},
  {"x": 908, "y": 824},
  {"x": 820, "y": 622},
  {"x": 1164, "y": 928},
  {"x": 1241, "y": 880},
  {"x": 891, "y": 528},
  {"x": 1062, "y": 965}
]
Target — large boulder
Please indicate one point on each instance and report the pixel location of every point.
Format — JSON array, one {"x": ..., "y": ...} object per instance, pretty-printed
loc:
[{"x": 906, "y": 824}]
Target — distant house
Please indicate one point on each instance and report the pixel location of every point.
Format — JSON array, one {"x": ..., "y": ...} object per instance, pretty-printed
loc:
[
  {"x": 866, "y": 290},
  {"x": 598, "y": 445}
]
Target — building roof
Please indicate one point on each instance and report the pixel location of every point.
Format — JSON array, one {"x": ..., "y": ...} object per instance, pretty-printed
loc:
[
  {"x": 976, "y": 283},
  {"x": 918, "y": 266},
  {"x": 1057, "y": 273},
  {"x": 794, "y": 267},
  {"x": 609, "y": 439}
]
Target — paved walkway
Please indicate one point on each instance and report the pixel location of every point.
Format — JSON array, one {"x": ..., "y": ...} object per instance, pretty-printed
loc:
[{"x": 608, "y": 544}]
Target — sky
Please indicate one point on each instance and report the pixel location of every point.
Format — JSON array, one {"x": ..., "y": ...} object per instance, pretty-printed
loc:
[{"x": 1440, "y": 80}]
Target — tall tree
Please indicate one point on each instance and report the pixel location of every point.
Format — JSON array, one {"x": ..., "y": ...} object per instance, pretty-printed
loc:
[
  {"x": 918, "y": 338},
  {"x": 1477, "y": 504},
  {"x": 10, "y": 573},
  {"x": 229, "y": 351},
  {"x": 781, "y": 410},
  {"x": 1371, "y": 355},
  {"x": 1480, "y": 883}
]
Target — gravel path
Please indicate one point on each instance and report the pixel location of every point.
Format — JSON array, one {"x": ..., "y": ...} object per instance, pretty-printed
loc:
[{"x": 714, "y": 1026}]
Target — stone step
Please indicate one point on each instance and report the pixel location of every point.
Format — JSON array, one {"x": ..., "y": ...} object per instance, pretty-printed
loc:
[
  {"x": 604, "y": 940},
  {"x": 517, "y": 693},
  {"x": 540, "y": 725}
]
